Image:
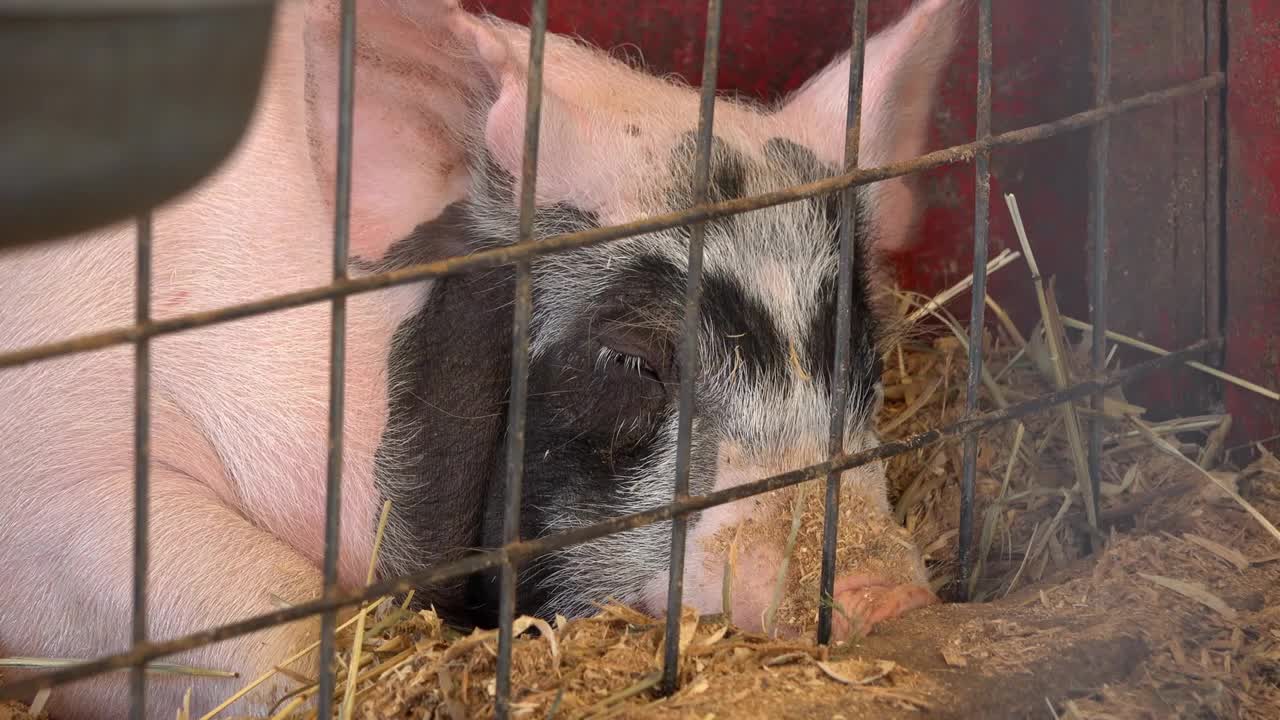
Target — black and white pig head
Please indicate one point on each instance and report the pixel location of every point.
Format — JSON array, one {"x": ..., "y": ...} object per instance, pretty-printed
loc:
[{"x": 617, "y": 145}]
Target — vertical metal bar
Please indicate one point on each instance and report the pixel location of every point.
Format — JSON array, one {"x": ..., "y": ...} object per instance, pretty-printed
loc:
[
  {"x": 520, "y": 358},
  {"x": 337, "y": 352},
  {"x": 1215, "y": 144},
  {"x": 981, "y": 230},
  {"x": 141, "y": 464},
  {"x": 1098, "y": 240},
  {"x": 689, "y": 346},
  {"x": 844, "y": 317}
]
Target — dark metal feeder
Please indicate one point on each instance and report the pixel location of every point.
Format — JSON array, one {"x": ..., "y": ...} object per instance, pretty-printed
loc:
[{"x": 109, "y": 108}]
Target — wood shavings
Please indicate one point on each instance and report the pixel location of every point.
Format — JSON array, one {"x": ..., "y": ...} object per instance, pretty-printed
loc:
[
  {"x": 840, "y": 671},
  {"x": 1195, "y": 591}
]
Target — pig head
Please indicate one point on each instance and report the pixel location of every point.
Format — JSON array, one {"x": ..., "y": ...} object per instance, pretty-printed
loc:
[{"x": 617, "y": 145}]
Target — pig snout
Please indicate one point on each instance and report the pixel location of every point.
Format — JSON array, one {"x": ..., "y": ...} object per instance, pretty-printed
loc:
[
  {"x": 768, "y": 551},
  {"x": 860, "y": 601}
]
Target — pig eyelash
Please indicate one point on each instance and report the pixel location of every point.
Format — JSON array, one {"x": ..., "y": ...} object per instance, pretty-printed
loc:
[{"x": 630, "y": 363}]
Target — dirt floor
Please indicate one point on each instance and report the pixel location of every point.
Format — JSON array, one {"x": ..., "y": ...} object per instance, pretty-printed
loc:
[{"x": 1178, "y": 614}]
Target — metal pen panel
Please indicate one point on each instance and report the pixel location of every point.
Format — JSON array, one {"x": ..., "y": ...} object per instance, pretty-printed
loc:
[
  {"x": 519, "y": 396},
  {"x": 981, "y": 233},
  {"x": 337, "y": 352},
  {"x": 689, "y": 347},
  {"x": 844, "y": 318}
]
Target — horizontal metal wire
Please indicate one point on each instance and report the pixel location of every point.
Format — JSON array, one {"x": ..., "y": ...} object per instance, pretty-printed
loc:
[
  {"x": 570, "y": 241},
  {"x": 526, "y": 550}
]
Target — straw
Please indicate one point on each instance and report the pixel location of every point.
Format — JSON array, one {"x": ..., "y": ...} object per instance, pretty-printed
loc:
[
  {"x": 357, "y": 643},
  {"x": 1057, "y": 351},
  {"x": 950, "y": 293},
  {"x": 1132, "y": 342}
]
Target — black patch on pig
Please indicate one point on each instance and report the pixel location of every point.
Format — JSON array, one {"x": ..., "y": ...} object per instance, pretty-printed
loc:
[
  {"x": 864, "y": 357},
  {"x": 797, "y": 158},
  {"x": 737, "y": 319},
  {"x": 436, "y": 451},
  {"x": 632, "y": 130},
  {"x": 734, "y": 317},
  {"x": 442, "y": 459},
  {"x": 727, "y": 172},
  {"x": 449, "y": 235}
]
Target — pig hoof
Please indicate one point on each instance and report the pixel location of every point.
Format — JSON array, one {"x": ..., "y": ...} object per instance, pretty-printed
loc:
[{"x": 862, "y": 601}]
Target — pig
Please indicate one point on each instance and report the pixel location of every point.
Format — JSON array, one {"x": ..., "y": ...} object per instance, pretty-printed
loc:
[{"x": 240, "y": 409}]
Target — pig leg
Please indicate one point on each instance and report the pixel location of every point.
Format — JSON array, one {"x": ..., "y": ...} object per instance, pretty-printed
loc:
[
  {"x": 70, "y": 574},
  {"x": 866, "y": 600}
]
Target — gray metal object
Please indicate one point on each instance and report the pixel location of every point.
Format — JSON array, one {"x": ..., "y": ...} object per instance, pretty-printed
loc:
[{"x": 112, "y": 108}]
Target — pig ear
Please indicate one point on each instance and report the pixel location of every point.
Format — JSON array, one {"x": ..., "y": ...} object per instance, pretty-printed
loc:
[
  {"x": 578, "y": 148},
  {"x": 413, "y": 81},
  {"x": 901, "y": 72},
  {"x": 423, "y": 68}
]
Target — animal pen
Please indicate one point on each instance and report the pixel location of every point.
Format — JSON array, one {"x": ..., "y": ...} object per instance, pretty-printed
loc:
[{"x": 1215, "y": 322}]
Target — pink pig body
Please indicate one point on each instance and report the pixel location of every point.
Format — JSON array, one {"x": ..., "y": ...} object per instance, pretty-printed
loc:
[{"x": 240, "y": 410}]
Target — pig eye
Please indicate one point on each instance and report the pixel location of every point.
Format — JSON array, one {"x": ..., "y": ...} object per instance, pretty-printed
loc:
[{"x": 617, "y": 361}]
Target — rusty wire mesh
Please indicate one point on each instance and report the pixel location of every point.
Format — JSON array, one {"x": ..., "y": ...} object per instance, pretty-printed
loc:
[{"x": 515, "y": 550}]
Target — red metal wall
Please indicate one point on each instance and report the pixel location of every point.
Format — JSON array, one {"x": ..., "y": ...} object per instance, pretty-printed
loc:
[
  {"x": 1253, "y": 213},
  {"x": 1043, "y": 70}
]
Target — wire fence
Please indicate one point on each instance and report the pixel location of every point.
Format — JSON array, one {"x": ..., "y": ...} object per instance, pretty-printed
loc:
[{"x": 515, "y": 550}]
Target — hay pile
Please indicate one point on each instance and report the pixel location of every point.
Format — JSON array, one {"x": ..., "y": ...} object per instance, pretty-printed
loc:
[{"x": 599, "y": 667}]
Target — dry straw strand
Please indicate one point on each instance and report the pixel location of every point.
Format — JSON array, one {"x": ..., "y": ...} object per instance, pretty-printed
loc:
[
  {"x": 1134, "y": 342},
  {"x": 357, "y": 643},
  {"x": 42, "y": 699},
  {"x": 1232, "y": 557},
  {"x": 287, "y": 661},
  {"x": 962, "y": 337},
  {"x": 1052, "y": 321},
  {"x": 952, "y": 292},
  {"x": 797, "y": 513}
]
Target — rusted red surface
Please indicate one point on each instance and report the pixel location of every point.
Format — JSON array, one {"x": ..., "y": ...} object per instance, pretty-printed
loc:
[
  {"x": 1157, "y": 188},
  {"x": 1043, "y": 57},
  {"x": 1253, "y": 213}
]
